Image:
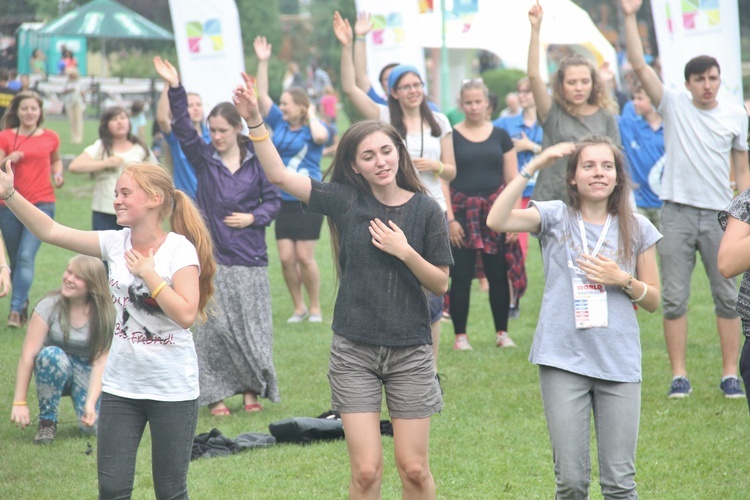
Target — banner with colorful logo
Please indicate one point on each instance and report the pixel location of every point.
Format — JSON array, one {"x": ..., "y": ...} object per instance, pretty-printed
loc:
[
  {"x": 689, "y": 28},
  {"x": 394, "y": 37},
  {"x": 209, "y": 47}
]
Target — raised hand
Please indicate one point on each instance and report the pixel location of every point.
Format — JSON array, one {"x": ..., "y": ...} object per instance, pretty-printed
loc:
[
  {"x": 548, "y": 156},
  {"x": 167, "y": 71},
  {"x": 631, "y": 6},
  {"x": 363, "y": 25},
  {"x": 262, "y": 48},
  {"x": 246, "y": 101},
  {"x": 535, "y": 15},
  {"x": 342, "y": 29}
]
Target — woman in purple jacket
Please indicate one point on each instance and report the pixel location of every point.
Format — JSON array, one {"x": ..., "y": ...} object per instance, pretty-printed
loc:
[{"x": 235, "y": 348}]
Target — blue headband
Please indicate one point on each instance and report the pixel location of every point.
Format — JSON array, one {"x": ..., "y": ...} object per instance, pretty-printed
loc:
[{"x": 398, "y": 71}]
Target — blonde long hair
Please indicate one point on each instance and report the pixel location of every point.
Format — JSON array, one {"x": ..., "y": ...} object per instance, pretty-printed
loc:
[
  {"x": 101, "y": 321},
  {"x": 184, "y": 218}
]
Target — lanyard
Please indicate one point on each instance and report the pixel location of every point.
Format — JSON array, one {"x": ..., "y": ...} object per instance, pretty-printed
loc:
[{"x": 602, "y": 236}]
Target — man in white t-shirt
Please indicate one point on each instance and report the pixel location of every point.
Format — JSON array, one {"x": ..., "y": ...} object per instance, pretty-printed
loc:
[{"x": 705, "y": 142}]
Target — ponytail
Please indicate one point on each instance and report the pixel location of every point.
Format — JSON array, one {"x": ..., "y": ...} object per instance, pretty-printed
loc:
[{"x": 187, "y": 220}]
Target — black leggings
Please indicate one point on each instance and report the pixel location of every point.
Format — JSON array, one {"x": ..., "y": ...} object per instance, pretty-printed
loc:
[{"x": 462, "y": 273}]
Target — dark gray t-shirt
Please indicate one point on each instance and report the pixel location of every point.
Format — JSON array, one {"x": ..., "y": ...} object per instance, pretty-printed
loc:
[
  {"x": 380, "y": 301},
  {"x": 77, "y": 343},
  {"x": 559, "y": 126}
]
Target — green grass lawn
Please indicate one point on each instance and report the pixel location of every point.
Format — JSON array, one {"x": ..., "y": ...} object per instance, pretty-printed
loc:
[{"x": 489, "y": 442}]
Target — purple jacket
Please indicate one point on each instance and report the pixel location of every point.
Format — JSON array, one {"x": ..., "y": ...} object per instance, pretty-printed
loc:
[{"x": 220, "y": 192}]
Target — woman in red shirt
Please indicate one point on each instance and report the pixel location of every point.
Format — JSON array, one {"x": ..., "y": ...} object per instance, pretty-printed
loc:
[{"x": 33, "y": 152}]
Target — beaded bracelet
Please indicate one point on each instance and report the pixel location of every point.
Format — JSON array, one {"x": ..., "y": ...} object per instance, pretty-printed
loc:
[{"x": 11, "y": 194}]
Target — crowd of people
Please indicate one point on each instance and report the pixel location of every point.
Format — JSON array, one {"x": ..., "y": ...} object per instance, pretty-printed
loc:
[{"x": 151, "y": 324}]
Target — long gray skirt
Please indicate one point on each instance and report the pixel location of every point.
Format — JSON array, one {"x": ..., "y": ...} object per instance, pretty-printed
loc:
[{"x": 235, "y": 345}]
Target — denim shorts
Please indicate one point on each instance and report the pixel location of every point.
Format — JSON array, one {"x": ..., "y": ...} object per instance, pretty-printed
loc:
[{"x": 358, "y": 373}]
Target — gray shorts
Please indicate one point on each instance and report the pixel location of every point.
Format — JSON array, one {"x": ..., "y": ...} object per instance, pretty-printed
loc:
[
  {"x": 358, "y": 372},
  {"x": 686, "y": 230}
]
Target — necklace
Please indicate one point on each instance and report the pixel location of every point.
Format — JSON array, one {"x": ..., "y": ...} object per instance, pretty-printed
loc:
[{"x": 26, "y": 138}]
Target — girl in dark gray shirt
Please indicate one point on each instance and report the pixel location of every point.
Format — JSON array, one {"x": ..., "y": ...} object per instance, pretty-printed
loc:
[{"x": 391, "y": 242}]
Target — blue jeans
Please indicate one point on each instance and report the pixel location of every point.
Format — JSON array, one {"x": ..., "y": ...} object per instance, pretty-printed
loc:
[
  {"x": 121, "y": 424},
  {"x": 104, "y": 222},
  {"x": 568, "y": 400},
  {"x": 59, "y": 374},
  {"x": 22, "y": 248}
]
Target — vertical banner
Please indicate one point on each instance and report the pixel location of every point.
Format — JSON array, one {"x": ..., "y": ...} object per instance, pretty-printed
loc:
[
  {"x": 394, "y": 37},
  {"x": 689, "y": 28},
  {"x": 209, "y": 47}
]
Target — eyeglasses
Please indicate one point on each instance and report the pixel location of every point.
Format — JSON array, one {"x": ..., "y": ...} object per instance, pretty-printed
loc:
[{"x": 411, "y": 86}]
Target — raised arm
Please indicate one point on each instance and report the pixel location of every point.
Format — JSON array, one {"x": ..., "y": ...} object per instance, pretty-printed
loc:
[
  {"x": 5, "y": 282},
  {"x": 163, "y": 115},
  {"x": 318, "y": 130},
  {"x": 364, "y": 104},
  {"x": 503, "y": 218},
  {"x": 646, "y": 74},
  {"x": 296, "y": 184},
  {"x": 40, "y": 224},
  {"x": 538, "y": 88},
  {"x": 263, "y": 53},
  {"x": 196, "y": 151},
  {"x": 361, "y": 28}
]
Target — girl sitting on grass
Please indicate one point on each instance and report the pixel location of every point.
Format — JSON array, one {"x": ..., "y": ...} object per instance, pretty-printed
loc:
[{"x": 66, "y": 347}]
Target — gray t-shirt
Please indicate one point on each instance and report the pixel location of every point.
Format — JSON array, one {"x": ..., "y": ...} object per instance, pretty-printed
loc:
[
  {"x": 559, "y": 126},
  {"x": 77, "y": 343},
  {"x": 698, "y": 144},
  {"x": 612, "y": 353},
  {"x": 380, "y": 301}
]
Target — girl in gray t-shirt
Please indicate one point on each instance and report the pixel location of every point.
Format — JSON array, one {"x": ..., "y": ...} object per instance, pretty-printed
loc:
[
  {"x": 66, "y": 347},
  {"x": 599, "y": 259}
]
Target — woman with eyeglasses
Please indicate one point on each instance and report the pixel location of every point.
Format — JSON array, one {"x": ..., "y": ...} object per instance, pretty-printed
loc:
[
  {"x": 485, "y": 164},
  {"x": 580, "y": 105},
  {"x": 427, "y": 134}
]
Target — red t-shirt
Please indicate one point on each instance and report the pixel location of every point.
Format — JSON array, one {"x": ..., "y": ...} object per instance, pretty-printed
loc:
[{"x": 33, "y": 172}]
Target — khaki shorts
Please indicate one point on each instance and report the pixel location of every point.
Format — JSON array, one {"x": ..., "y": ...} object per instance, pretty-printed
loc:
[{"x": 358, "y": 373}]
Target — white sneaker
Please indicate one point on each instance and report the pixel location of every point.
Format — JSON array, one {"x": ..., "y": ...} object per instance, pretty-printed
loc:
[
  {"x": 298, "y": 318},
  {"x": 504, "y": 340},
  {"x": 462, "y": 343}
]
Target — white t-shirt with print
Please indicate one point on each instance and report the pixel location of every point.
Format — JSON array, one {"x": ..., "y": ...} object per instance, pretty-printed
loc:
[
  {"x": 151, "y": 357},
  {"x": 430, "y": 149}
]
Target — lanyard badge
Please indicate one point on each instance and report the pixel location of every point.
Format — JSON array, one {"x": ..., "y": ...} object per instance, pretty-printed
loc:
[{"x": 590, "y": 299}]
